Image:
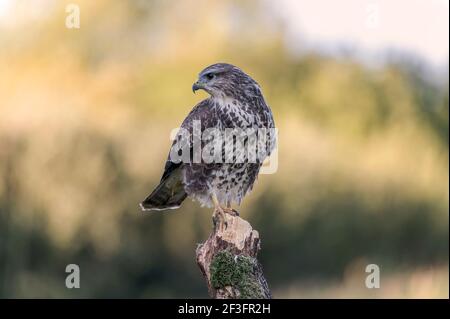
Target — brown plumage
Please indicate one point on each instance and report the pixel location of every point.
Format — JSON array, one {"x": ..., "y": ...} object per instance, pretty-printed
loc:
[{"x": 235, "y": 101}]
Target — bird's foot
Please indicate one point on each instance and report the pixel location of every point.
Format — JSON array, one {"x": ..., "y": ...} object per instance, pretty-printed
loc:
[
  {"x": 219, "y": 218},
  {"x": 231, "y": 211}
]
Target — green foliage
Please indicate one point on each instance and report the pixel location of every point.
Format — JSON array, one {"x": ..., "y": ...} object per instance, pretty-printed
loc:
[{"x": 237, "y": 272}]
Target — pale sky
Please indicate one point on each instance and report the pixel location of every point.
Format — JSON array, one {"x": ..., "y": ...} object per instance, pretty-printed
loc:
[{"x": 419, "y": 26}]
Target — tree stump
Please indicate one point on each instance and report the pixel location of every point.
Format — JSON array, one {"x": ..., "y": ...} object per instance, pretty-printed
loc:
[{"x": 228, "y": 261}]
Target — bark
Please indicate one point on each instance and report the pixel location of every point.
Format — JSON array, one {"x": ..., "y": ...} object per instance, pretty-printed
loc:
[{"x": 227, "y": 260}]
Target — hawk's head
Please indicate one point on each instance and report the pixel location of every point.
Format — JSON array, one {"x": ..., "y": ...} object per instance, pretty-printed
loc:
[{"x": 223, "y": 80}]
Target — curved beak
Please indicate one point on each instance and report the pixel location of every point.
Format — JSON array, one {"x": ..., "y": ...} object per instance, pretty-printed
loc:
[{"x": 196, "y": 86}]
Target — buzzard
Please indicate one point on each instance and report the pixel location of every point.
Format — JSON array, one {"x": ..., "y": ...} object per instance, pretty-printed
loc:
[{"x": 236, "y": 102}]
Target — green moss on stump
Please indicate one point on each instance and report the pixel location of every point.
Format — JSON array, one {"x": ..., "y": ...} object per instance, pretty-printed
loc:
[{"x": 226, "y": 270}]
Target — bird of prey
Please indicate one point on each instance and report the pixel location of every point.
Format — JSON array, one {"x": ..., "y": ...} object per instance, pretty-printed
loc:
[{"x": 235, "y": 102}]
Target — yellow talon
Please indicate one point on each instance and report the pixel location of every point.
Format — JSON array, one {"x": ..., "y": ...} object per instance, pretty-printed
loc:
[{"x": 219, "y": 212}]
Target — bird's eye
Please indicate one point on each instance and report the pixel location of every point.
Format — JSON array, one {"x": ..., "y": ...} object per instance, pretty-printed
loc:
[{"x": 209, "y": 76}]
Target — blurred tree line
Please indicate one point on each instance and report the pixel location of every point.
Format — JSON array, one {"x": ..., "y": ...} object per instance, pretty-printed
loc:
[{"x": 84, "y": 132}]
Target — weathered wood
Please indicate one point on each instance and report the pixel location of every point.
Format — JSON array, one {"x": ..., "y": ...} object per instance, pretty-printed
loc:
[{"x": 228, "y": 261}]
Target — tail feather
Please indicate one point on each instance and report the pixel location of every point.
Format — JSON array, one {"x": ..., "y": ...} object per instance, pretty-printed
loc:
[{"x": 169, "y": 194}]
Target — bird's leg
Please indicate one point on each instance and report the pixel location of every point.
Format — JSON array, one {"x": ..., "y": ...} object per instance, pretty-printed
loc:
[{"x": 219, "y": 213}]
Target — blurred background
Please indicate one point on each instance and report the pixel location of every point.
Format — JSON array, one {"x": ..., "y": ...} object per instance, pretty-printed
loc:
[{"x": 359, "y": 91}]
